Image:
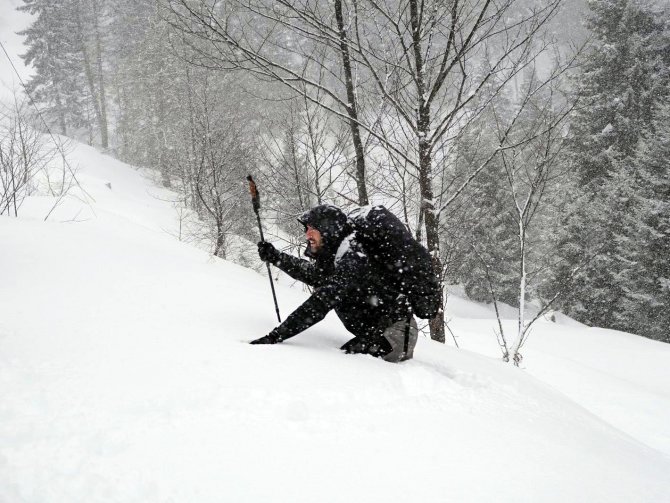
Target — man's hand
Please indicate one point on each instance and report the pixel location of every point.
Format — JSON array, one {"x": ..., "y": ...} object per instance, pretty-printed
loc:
[
  {"x": 267, "y": 252},
  {"x": 271, "y": 338},
  {"x": 355, "y": 346},
  {"x": 377, "y": 347}
]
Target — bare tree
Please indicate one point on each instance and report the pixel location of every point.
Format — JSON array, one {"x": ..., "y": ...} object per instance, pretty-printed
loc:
[
  {"x": 23, "y": 154},
  {"x": 304, "y": 163},
  {"x": 219, "y": 154},
  {"x": 427, "y": 61},
  {"x": 270, "y": 41},
  {"x": 534, "y": 168}
]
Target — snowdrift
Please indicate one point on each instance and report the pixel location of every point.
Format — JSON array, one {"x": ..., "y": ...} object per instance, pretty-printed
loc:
[{"x": 125, "y": 375}]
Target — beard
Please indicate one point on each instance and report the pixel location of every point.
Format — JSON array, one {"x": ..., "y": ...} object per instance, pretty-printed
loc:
[{"x": 312, "y": 249}]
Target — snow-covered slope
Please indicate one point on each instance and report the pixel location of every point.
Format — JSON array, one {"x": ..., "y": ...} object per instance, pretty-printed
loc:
[
  {"x": 622, "y": 378},
  {"x": 125, "y": 376}
]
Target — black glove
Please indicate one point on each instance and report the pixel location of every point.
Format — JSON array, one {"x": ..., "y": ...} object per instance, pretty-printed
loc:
[
  {"x": 354, "y": 346},
  {"x": 267, "y": 252},
  {"x": 377, "y": 347},
  {"x": 271, "y": 338}
]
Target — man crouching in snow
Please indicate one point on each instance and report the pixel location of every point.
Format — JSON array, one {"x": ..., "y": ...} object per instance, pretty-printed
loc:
[{"x": 344, "y": 280}]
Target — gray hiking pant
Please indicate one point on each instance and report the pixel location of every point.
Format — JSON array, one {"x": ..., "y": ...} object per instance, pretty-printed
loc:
[{"x": 396, "y": 334}]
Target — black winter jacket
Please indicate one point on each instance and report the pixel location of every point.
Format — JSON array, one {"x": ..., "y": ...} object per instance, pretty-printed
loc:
[{"x": 345, "y": 280}]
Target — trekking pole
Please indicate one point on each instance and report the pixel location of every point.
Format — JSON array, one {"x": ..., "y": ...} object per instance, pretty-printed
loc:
[{"x": 256, "y": 202}]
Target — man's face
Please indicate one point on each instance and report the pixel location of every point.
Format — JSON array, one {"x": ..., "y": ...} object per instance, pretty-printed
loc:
[{"x": 313, "y": 239}]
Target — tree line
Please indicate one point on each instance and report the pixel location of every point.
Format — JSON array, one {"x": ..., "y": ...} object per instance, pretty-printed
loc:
[{"x": 533, "y": 169}]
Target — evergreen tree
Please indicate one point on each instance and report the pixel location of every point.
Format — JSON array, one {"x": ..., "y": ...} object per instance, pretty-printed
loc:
[
  {"x": 480, "y": 232},
  {"x": 89, "y": 16},
  {"x": 151, "y": 88},
  {"x": 623, "y": 78},
  {"x": 484, "y": 232},
  {"x": 55, "y": 85},
  {"x": 653, "y": 286},
  {"x": 65, "y": 48}
]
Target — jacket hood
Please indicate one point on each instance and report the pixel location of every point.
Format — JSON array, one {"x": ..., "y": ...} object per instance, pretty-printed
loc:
[{"x": 331, "y": 222}]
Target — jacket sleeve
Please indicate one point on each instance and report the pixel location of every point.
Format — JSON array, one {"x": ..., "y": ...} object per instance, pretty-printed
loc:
[
  {"x": 316, "y": 308},
  {"x": 309, "y": 313},
  {"x": 298, "y": 268}
]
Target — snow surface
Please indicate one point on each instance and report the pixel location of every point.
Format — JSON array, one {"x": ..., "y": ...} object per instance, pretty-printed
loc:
[{"x": 125, "y": 376}]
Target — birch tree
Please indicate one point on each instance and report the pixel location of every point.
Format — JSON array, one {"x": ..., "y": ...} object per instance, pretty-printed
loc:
[{"x": 534, "y": 167}]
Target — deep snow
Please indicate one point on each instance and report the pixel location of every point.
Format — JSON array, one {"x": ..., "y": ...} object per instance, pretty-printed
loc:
[{"x": 125, "y": 375}]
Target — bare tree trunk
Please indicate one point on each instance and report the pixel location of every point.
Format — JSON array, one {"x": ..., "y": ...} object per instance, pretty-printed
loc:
[
  {"x": 432, "y": 233},
  {"x": 87, "y": 62},
  {"x": 521, "y": 329},
  {"x": 294, "y": 165},
  {"x": 190, "y": 177},
  {"x": 220, "y": 247},
  {"x": 161, "y": 137},
  {"x": 312, "y": 147},
  {"x": 405, "y": 212},
  {"x": 104, "y": 135},
  {"x": 90, "y": 77},
  {"x": 14, "y": 194},
  {"x": 121, "y": 129},
  {"x": 425, "y": 170},
  {"x": 61, "y": 116},
  {"x": 352, "y": 110}
]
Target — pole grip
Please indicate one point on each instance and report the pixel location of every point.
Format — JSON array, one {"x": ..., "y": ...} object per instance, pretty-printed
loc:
[{"x": 255, "y": 195}]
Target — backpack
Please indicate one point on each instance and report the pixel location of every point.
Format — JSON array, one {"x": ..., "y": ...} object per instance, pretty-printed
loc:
[{"x": 407, "y": 263}]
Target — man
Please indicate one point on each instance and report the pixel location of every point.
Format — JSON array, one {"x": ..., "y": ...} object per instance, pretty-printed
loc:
[{"x": 346, "y": 280}]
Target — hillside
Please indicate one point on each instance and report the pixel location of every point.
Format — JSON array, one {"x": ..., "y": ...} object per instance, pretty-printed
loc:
[{"x": 125, "y": 375}]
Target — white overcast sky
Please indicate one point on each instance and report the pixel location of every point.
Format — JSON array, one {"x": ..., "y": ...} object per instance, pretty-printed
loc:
[{"x": 11, "y": 21}]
